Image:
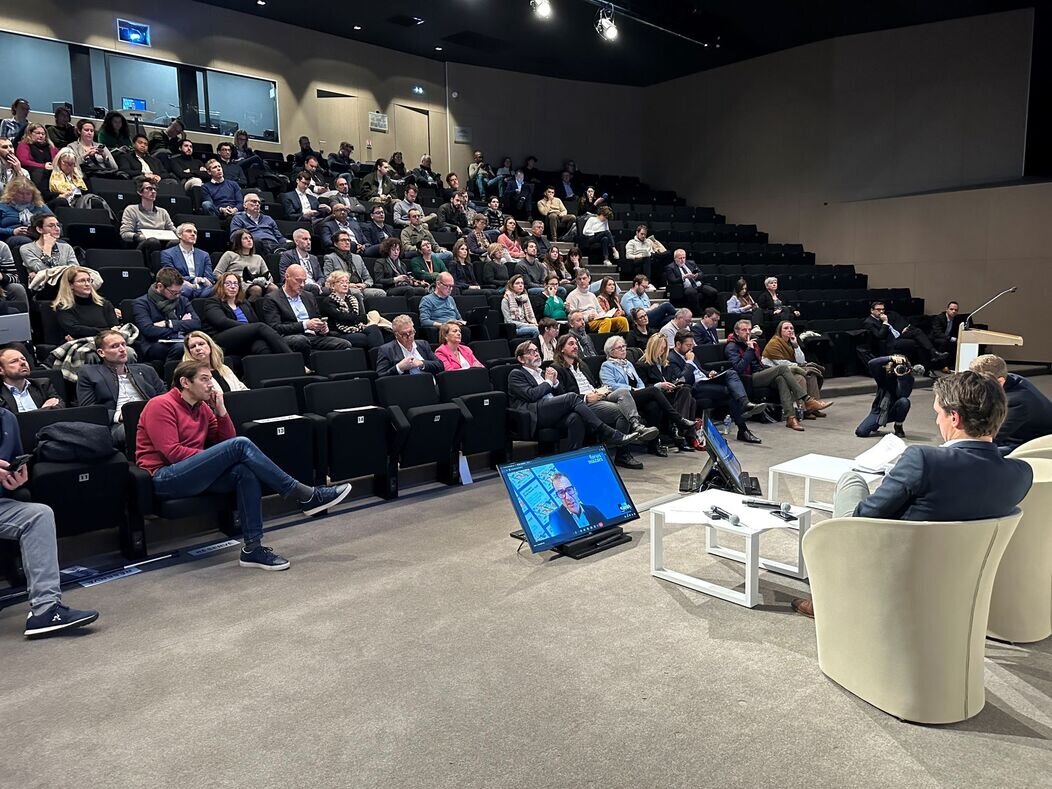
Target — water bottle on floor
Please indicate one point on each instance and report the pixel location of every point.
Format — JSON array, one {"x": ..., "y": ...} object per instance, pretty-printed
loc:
[{"x": 726, "y": 425}]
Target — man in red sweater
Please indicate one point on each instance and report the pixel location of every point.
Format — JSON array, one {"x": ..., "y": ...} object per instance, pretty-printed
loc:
[{"x": 187, "y": 442}]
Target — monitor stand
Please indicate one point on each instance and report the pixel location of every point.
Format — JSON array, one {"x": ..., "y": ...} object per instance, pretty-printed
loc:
[{"x": 588, "y": 544}]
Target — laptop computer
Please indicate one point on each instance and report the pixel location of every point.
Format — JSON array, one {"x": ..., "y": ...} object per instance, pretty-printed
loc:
[{"x": 15, "y": 328}]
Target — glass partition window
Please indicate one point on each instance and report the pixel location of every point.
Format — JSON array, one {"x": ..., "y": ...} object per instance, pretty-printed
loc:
[
  {"x": 241, "y": 103},
  {"x": 143, "y": 86},
  {"x": 36, "y": 70}
]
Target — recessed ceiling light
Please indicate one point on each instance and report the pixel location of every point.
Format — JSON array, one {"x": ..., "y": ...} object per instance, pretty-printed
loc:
[
  {"x": 261, "y": 2},
  {"x": 438, "y": 49},
  {"x": 542, "y": 8},
  {"x": 357, "y": 27},
  {"x": 416, "y": 20}
]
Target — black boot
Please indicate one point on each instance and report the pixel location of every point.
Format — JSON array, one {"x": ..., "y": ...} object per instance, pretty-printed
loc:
[
  {"x": 626, "y": 459},
  {"x": 746, "y": 435}
]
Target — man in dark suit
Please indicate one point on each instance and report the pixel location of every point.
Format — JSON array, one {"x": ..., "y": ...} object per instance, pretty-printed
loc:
[
  {"x": 115, "y": 382},
  {"x": 548, "y": 404},
  {"x": 164, "y": 316},
  {"x": 20, "y": 392},
  {"x": 685, "y": 288},
  {"x": 301, "y": 203},
  {"x": 293, "y": 313},
  {"x": 965, "y": 479},
  {"x": 134, "y": 163},
  {"x": 406, "y": 355},
  {"x": 942, "y": 336},
  {"x": 376, "y": 231},
  {"x": 195, "y": 265},
  {"x": 705, "y": 331},
  {"x": 889, "y": 334},
  {"x": 342, "y": 196},
  {"x": 574, "y": 514},
  {"x": 1029, "y": 412},
  {"x": 301, "y": 255},
  {"x": 340, "y": 220}
]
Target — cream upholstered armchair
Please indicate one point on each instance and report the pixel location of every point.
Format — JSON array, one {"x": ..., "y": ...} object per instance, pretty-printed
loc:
[
  {"x": 1021, "y": 603},
  {"x": 1038, "y": 447},
  {"x": 901, "y": 609}
]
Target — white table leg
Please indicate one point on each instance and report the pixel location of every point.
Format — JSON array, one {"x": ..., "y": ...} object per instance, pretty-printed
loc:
[
  {"x": 752, "y": 570},
  {"x": 657, "y": 533},
  {"x": 772, "y": 485}
]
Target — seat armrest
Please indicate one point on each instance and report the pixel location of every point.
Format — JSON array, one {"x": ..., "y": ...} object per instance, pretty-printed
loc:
[{"x": 142, "y": 490}]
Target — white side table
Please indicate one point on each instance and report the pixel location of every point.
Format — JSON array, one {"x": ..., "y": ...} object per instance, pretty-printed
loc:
[
  {"x": 753, "y": 522},
  {"x": 813, "y": 468}
]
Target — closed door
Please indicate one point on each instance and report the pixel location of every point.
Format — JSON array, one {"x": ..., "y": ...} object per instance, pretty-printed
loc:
[
  {"x": 412, "y": 134},
  {"x": 337, "y": 122}
]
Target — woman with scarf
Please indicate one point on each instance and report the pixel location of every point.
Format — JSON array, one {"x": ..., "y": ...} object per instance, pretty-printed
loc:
[
  {"x": 345, "y": 316},
  {"x": 784, "y": 348}
]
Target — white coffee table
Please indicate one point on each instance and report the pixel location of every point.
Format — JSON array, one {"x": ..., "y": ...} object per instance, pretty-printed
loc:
[
  {"x": 753, "y": 523},
  {"x": 813, "y": 468}
]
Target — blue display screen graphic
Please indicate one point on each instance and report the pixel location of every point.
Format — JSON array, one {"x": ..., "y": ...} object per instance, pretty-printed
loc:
[
  {"x": 133, "y": 104},
  {"x": 558, "y": 498}
]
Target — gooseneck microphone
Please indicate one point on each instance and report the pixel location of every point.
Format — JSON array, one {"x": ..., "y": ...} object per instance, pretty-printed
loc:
[{"x": 967, "y": 323}]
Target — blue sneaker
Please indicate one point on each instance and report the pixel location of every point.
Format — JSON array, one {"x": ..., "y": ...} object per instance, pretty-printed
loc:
[
  {"x": 56, "y": 619},
  {"x": 263, "y": 558},
  {"x": 325, "y": 497}
]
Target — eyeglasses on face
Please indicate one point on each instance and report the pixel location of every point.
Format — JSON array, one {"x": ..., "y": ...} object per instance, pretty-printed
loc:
[{"x": 563, "y": 492}]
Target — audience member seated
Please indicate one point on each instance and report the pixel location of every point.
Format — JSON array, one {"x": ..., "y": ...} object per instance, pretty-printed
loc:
[
  {"x": 726, "y": 389},
  {"x": 541, "y": 395},
  {"x": 609, "y": 298},
  {"x": 964, "y": 479},
  {"x": 894, "y": 378},
  {"x": 532, "y": 268},
  {"x": 10, "y": 279},
  {"x": 1029, "y": 413},
  {"x": 574, "y": 260},
  {"x": 221, "y": 197},
  {"x": 641, "y": 331},
  {"x": 10, "y": 167},
  {"x": 597, "y": 236},
  {"x": 942, "y": 337},
  {"x": 405, "y": 355},
  {"x": 93, "y": 158},
  {"x": 481, "y": 175},
  {"x": 439, "y": 308},
  {"x": 655, "y": 371},
  {"x": 530, "y": 170},
  {"x": 618, "y": 373},
  {"x": 400, "y": 210},
  {"x": 293, "y": 313},
  {"x": 139, "y": 163},
  {"x": 614, "y": 407},
  {"x": 637, "y": 297},
  {"x": 548, "y": 335},
  {"x": 341, "y": 195},
  {"x": 566, "y": 190},
  {"x": 232, "y": 171},
  {"x": 554, "y": 303},
  {"x": 425, "y": 176},
  {"x": 589, "y": 203},
  {"x": 345, "y": 314},
  {"x": 199, "y": 347},
  {"x": 318, "y": 185},
  {"x": 518, "y": 195},
  {"x": 301, "y": 204},
  {"x": 163, "y": 316},
  {"x": 452, "y": 186},
  {"x": 680, "y": 321},
  {"x": 46, "y": 250},
  {"x": 339, "y": 222},
  {"x": 34, "y": 151},
  {"x": 686, "y": 289},
  {"x": 241, "y": 259},
  {"x": 299, "y": 159},
  {"x": 516, "y": 308},
  {"x": 581, "y": 299},
  {"x": 784, "y": 349},
  {"x": 645, "y": 251},
  {"x": 342, "y": 259},
  {"x": 193, "y": 264},
  {"x": 415, "y": 232},
  {"x": 553, "y": 260},
  {"x": 742, "y": 305},
  {"x": 32, "y": 526},
  {"x": 509, "y": 239},
  {"x": 62, "y": 132},
  {"x": 342, "y": 162},
  {"x": 744, "y": 355},
  {"x": 494, "y": 269},
  {"x": 554, "y": 212},
  {"x": 146, "y": 226},
  {"x": 14, "y": 127},
  {"x": 494, "y": 217},
  {"x": 451, "y": 351},
  {"x": 575, "y": 325},
  {"x": 452, "y": 216},
  {"x": 425, "y": 265},
  {"x": 376, "y": 232},
  {"x": 377, "y": 187},
  {"x": 397, "y": 164},
  {"x": 265, "y": 231},
  {"x": 774, "y": 309},
  {"x": 67, "y": 186},
  {"x": 114, "y": 132},
  {"x": 187, "y": 443},
  {"x": 234, "y": 324},
  {"x": 478, "y": 239},
  {"x": 19, "y": 392},
  {"x": 187, "y": 170},
  {"x": 169, "y": 141},
  {"x": 244, "y": 155},
  {"x": 20, "y": 202},
  {"x": 890, "y": 333},
  {"x": 463, "y": 270},
  {"x": 115, "y": 382},
  {"x": 705, "y": 331},
  {"x": 391, "y": 273}
]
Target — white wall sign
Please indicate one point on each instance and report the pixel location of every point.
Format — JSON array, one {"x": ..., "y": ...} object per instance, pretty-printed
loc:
[
  {"x": 378, "y": 122},
  {"x": 462, "y": 134}
]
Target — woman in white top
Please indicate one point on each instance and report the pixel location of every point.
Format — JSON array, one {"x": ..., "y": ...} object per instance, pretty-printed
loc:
[
  {"x": 597, "y": 233},
  {"x": 199, "y": 347}
]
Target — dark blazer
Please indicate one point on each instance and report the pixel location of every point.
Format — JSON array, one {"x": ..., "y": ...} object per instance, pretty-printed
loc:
[
  {"x": 703, "y": 336},
  {"x": 674, "y": 276},
  {"x": 290, "y": 201},
  {"x": 186, "y": 167},
  {"x": 967, "y": 481},
  {"x": 766, "y": 303},
  {"x": 291, "y": 257},
  {"x": 128, "y": 163},
  {"x": 329, "y": 228},
  {"x": 40, "y": 391},
  {"x": 941, "y": 326},
  {"x": 680, "y": 369},
  {"x": 216, "y": 316},
  {"x": 278, "y": 314},
  {"x": 879, "y": 336},
  {"x": 1029, "y": 414},
  {"x": 568, "y": 382},
  {"x": 561, "y": 522},
  {"x": 173, "y": 256},
  {"x": 374, "y": 236},
  {"x": 97, "y": 384},
  {"x": 385, "y": 271},
  {"x": 743, "y": 359},
  {"x": 389, "y": 355},
  {"x": 145, "y": 314}
]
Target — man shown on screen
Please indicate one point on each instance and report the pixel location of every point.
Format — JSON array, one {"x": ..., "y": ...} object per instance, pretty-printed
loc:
[{"x": 573, "y": 515}]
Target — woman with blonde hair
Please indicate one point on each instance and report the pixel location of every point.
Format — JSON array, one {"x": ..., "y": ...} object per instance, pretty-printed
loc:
[
  {"x": 451, "y": 352},
  {"x": 19, "y": 203},
  {"x": 199, "y": 347},
  {"x": 654, "y": 369},
  {"x": 79, "y": 309},
  {"x": 35, "y": 151},
  {"x": 346, "y": 318},
  {"x": 494, "y": 269}
]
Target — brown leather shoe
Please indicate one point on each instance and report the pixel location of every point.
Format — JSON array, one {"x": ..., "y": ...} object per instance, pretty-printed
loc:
[
  {"x": 804, "y": 607},
  {"x": 794, "y": 424},
  {"x": 817, "y": 405},
  {"x": 820, "y": 414},
  {"x": 812, "y": 414}
]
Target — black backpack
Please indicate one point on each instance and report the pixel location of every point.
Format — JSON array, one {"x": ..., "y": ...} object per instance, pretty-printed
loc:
[{"x": 74, "y": 442}]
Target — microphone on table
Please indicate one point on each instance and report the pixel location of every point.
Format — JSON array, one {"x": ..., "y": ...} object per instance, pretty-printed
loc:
[
  {"x": 764, "y": 504},
  {"x": 717, "y": 513}
]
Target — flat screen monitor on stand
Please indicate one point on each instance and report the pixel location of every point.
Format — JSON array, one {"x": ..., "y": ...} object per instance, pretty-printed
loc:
[
  {"x": 727, "y": 471},
  {"x": 573, "y": 503}
]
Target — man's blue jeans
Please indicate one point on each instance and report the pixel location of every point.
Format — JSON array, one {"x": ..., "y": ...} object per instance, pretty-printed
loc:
[{"x": 235, "y": 464}]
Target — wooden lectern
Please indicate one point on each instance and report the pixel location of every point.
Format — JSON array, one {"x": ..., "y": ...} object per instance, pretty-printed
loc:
[{"x": 968, "y": 341}]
